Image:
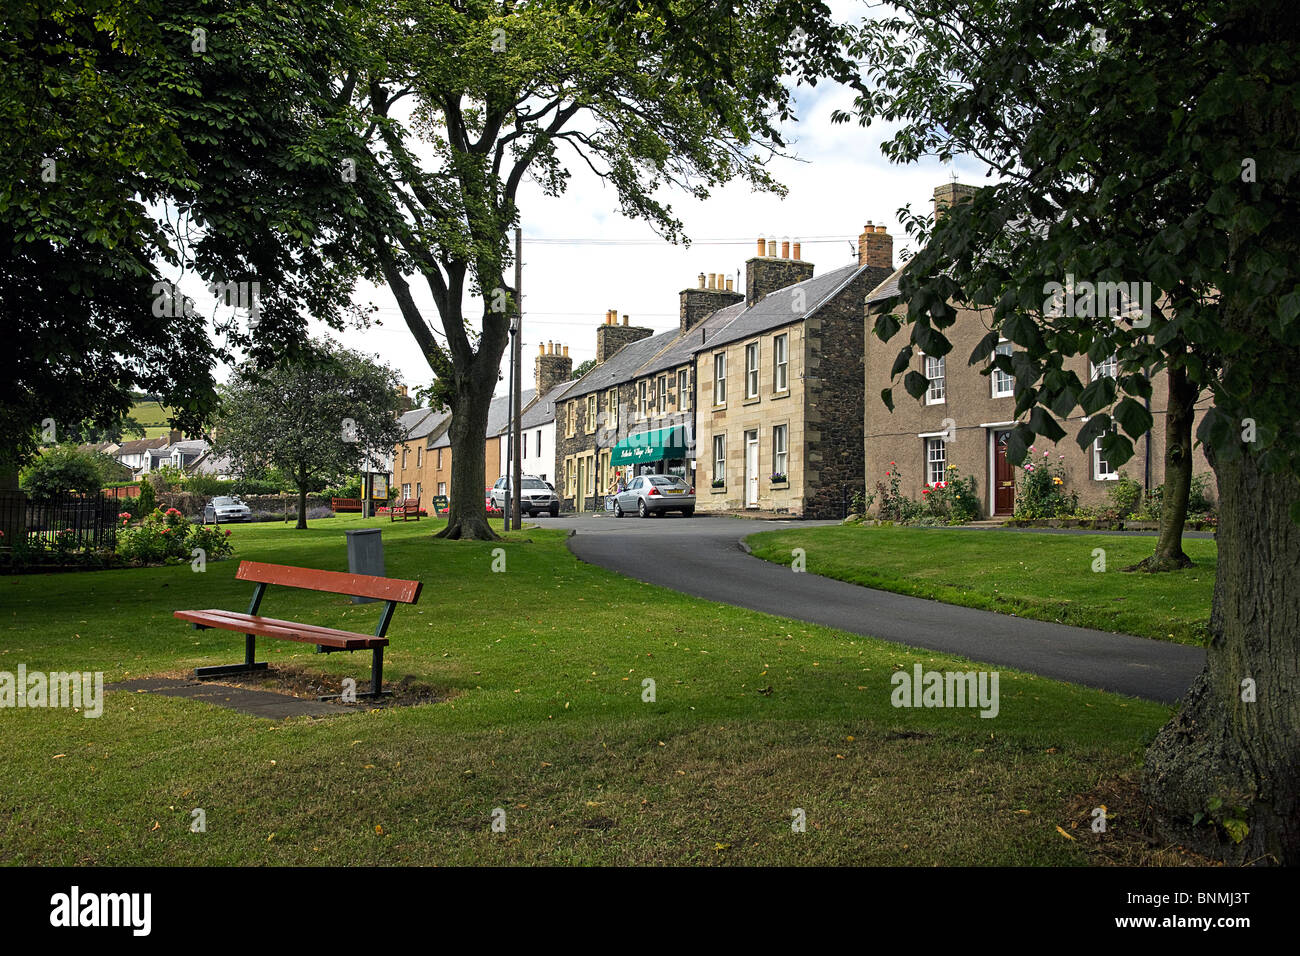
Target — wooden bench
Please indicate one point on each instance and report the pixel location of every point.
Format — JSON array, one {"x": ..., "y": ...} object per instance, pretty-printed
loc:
[
  {"x": 406, "y": 507},
  {"x": 345, "y": 504},
  {"x": 327, "y": 639}
]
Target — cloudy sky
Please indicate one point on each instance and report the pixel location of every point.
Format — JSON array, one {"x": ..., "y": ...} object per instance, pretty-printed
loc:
[{"x": 582, "y": 257}]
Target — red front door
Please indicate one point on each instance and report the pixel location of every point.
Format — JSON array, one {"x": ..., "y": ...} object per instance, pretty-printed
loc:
[{"x": 1004, "y": 477}]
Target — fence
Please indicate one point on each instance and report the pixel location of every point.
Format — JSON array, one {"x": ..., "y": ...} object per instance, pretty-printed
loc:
[{"x": 91, "y": 521}]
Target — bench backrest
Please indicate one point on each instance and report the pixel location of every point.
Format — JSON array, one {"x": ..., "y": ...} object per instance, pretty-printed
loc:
[{"x": 335, "y": 582}]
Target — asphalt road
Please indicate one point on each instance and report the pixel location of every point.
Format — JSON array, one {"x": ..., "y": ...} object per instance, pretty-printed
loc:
[{"x": 704, "y": 557}]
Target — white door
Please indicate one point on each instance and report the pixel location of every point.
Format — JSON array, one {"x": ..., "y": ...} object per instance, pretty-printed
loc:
[{"x": 751, "y": 469}]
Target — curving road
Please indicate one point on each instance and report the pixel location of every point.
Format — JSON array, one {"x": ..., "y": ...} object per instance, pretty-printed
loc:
[{"x": 704, "y": 557}]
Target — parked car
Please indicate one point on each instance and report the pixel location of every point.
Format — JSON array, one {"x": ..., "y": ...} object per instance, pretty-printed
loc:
[
  {"x": 654, "y": 495},
  {"x": 535, "y": 496},
  {"x": 223, "y": 509}
]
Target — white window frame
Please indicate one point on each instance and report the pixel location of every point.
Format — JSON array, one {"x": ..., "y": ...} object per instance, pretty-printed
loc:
[
  {"x": 1109, "y": 368},
  {"x": 642, "y": 397},
  {"x": 1004, "y": 384},
  {"x": 751, "y": 370},
  {"x": 663, "y": 394},
  {"x": 719, "y": 378},
  {"x": 781, "y": 450},
  {"x": 406, "y": 489},
  {"x": 683, "y": 390},
  {"x": 720, "y": 458},
  {"x": 1110, "y": 474},
  {"x": 931, "y": 460},
  {"x": 781, "y": 362},
  {"x": 936, "y": 394}
]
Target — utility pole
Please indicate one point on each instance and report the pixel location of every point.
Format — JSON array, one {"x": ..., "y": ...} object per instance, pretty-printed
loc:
[
  {"x": 507, "y": 499},
  {"x": 517, "y": 344}
]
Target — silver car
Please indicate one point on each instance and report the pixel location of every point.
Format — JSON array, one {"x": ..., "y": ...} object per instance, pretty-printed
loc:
[
  {"x": 223, "y": 509},
  {"x": 535, "y": 496},
  {"x": 654, "y": 495}
]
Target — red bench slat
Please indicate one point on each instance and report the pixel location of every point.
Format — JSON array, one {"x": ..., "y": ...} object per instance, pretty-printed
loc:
[
  {"x": 336, "y": 582},
  {"x": 285, "y": 630}
]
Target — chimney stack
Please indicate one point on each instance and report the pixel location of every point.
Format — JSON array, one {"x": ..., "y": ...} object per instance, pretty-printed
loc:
[
  {"x": 698, "y": 304},
  {"x": 611, "y": 336},
  {"x": 765, "y": 274},
  {"x": 550, "y": 368},
  {"x": 949, "y": 194},
  {"x": 876, "y": 248}
]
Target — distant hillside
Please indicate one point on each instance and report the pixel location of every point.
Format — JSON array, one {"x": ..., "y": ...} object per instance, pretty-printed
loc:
[{"x": 153, "y": 417}]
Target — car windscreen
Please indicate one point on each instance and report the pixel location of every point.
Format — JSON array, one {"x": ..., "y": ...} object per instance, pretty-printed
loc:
[
  {"x": 224, "y": 501},
  {"x": 532, "y": 484}
]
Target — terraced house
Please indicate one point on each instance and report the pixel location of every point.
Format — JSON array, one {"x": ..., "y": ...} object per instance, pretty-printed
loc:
[
  {"x": 963, "y": 420},
  {"x": 779, "y": 377}
]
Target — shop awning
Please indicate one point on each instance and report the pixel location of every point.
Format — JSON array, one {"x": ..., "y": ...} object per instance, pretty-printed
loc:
[{"x": 648, "y": 446}]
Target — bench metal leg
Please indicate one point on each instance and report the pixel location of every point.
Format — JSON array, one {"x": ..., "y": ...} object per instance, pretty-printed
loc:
[
  {"x": 249, "y": 666},
  {"x": 376, "y": 677}
]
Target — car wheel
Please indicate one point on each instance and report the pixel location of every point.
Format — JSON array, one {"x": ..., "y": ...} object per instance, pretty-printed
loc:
[
  {"x": 642, "y": 510},
  {"x": 555, "y": 512},
  {"x": 688, "y": 512},
  {"x": 618, "y": 510}
]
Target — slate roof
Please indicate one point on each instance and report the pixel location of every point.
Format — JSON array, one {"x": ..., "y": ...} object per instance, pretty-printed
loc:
[
  {"x": 499, "y": 411},
  {"x": 141, "y": 445},
  {"x": 681, "y": 351},
  {"x": 623, "y": 365},
  {"x": 418, "y": 422},
  {"x": 886, "y": 290},
  {"x": 777, "y": 308},
  {"x": 543, "y": 410}
]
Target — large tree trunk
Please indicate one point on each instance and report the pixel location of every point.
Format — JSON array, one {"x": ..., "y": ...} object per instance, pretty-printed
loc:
[
  {"x": 1169, "y": 555},
  {"x": 1221, "y": 747},
  {"x": 467, "y": 514}
]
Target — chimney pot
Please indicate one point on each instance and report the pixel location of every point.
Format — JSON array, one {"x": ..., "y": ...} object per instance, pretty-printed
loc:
[
  {"x": 785, "y": 248},
  {"x": 541, "y": 348},
  {"x": 771, "y": 246},
  {"x": 762, "y": 248},
  {"x": 701, "y": 280},
  {"x": 625, "y": 320},
  {"x": 729, "y": 289},
  {"x": 713, "y": 280},
  {"x": 796, "y": 251},
  {"x": 566, "y": 351}
]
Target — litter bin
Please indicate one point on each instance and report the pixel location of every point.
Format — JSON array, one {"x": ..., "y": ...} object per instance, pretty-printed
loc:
[{"x": 365, "y": 556}]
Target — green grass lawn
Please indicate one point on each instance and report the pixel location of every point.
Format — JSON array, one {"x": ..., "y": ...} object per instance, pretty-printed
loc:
[
  {"x": 1048, "y": 577},
  {"x": 754, "y": 716},
  {"x": 153, "y": 418}
]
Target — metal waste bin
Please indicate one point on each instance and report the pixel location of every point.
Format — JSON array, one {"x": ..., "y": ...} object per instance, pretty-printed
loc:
[{"x": 365, "y": 556}]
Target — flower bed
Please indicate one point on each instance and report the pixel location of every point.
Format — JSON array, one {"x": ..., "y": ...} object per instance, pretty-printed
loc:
[{"x": 168, "y": 537}]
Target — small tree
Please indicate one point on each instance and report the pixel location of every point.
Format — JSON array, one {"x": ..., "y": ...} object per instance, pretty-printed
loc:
[
  {"x": 314, "y": 420},
  {"x": 61, "y": 469}
]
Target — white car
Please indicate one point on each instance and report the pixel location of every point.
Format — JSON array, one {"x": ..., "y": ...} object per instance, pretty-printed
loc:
[{"x": 223, "y": 509}]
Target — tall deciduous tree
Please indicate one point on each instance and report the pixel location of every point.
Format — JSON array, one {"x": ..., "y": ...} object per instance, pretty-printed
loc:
[
  {"x": 146, "y": 141},
  {"x": 319, "y": 418},
  {"x": 469, "y": 100},
  {"x": 1139, "y": 141}
]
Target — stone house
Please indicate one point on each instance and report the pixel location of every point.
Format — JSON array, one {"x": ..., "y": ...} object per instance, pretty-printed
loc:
[
  {"x": 778, "y": 375},
  {"x": 597, "y": 408},
  {"x": 964, "y": 418},
  {"x": 418, "y": 470},
  {"x": 552, "y": 372}
]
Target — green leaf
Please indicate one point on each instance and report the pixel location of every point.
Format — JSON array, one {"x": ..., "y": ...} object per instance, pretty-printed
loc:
[
  {"x": 1133, "y": 417},
  {"x": 915, "y": 383},
  {"x": 902, "y": 362}
]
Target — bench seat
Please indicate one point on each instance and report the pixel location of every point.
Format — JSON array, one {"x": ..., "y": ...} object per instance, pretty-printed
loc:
[{"x": 285, "y": 630}]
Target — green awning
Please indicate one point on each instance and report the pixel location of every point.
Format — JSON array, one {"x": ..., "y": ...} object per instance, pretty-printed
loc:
[{"x": 650, "y": 446}]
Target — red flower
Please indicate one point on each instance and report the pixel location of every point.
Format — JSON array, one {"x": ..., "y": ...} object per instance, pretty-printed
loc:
[{"x": 891, "y": 464}]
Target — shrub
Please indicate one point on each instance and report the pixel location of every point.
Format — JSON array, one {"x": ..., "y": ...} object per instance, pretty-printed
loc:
[
  {"x": 1042, "y": 493},
  {"x": 147, "y": 500},
  {"x": 862, "y": 501},
  {"x": 954, "y": 500},
  {"x": 1125, "y": 494},
  {"x": 59, "y": 470},
  {"x": 167, "y": 536}
]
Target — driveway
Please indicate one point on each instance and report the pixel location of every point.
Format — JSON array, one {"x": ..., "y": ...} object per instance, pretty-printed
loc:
[{"x": 703, "y": 556}]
